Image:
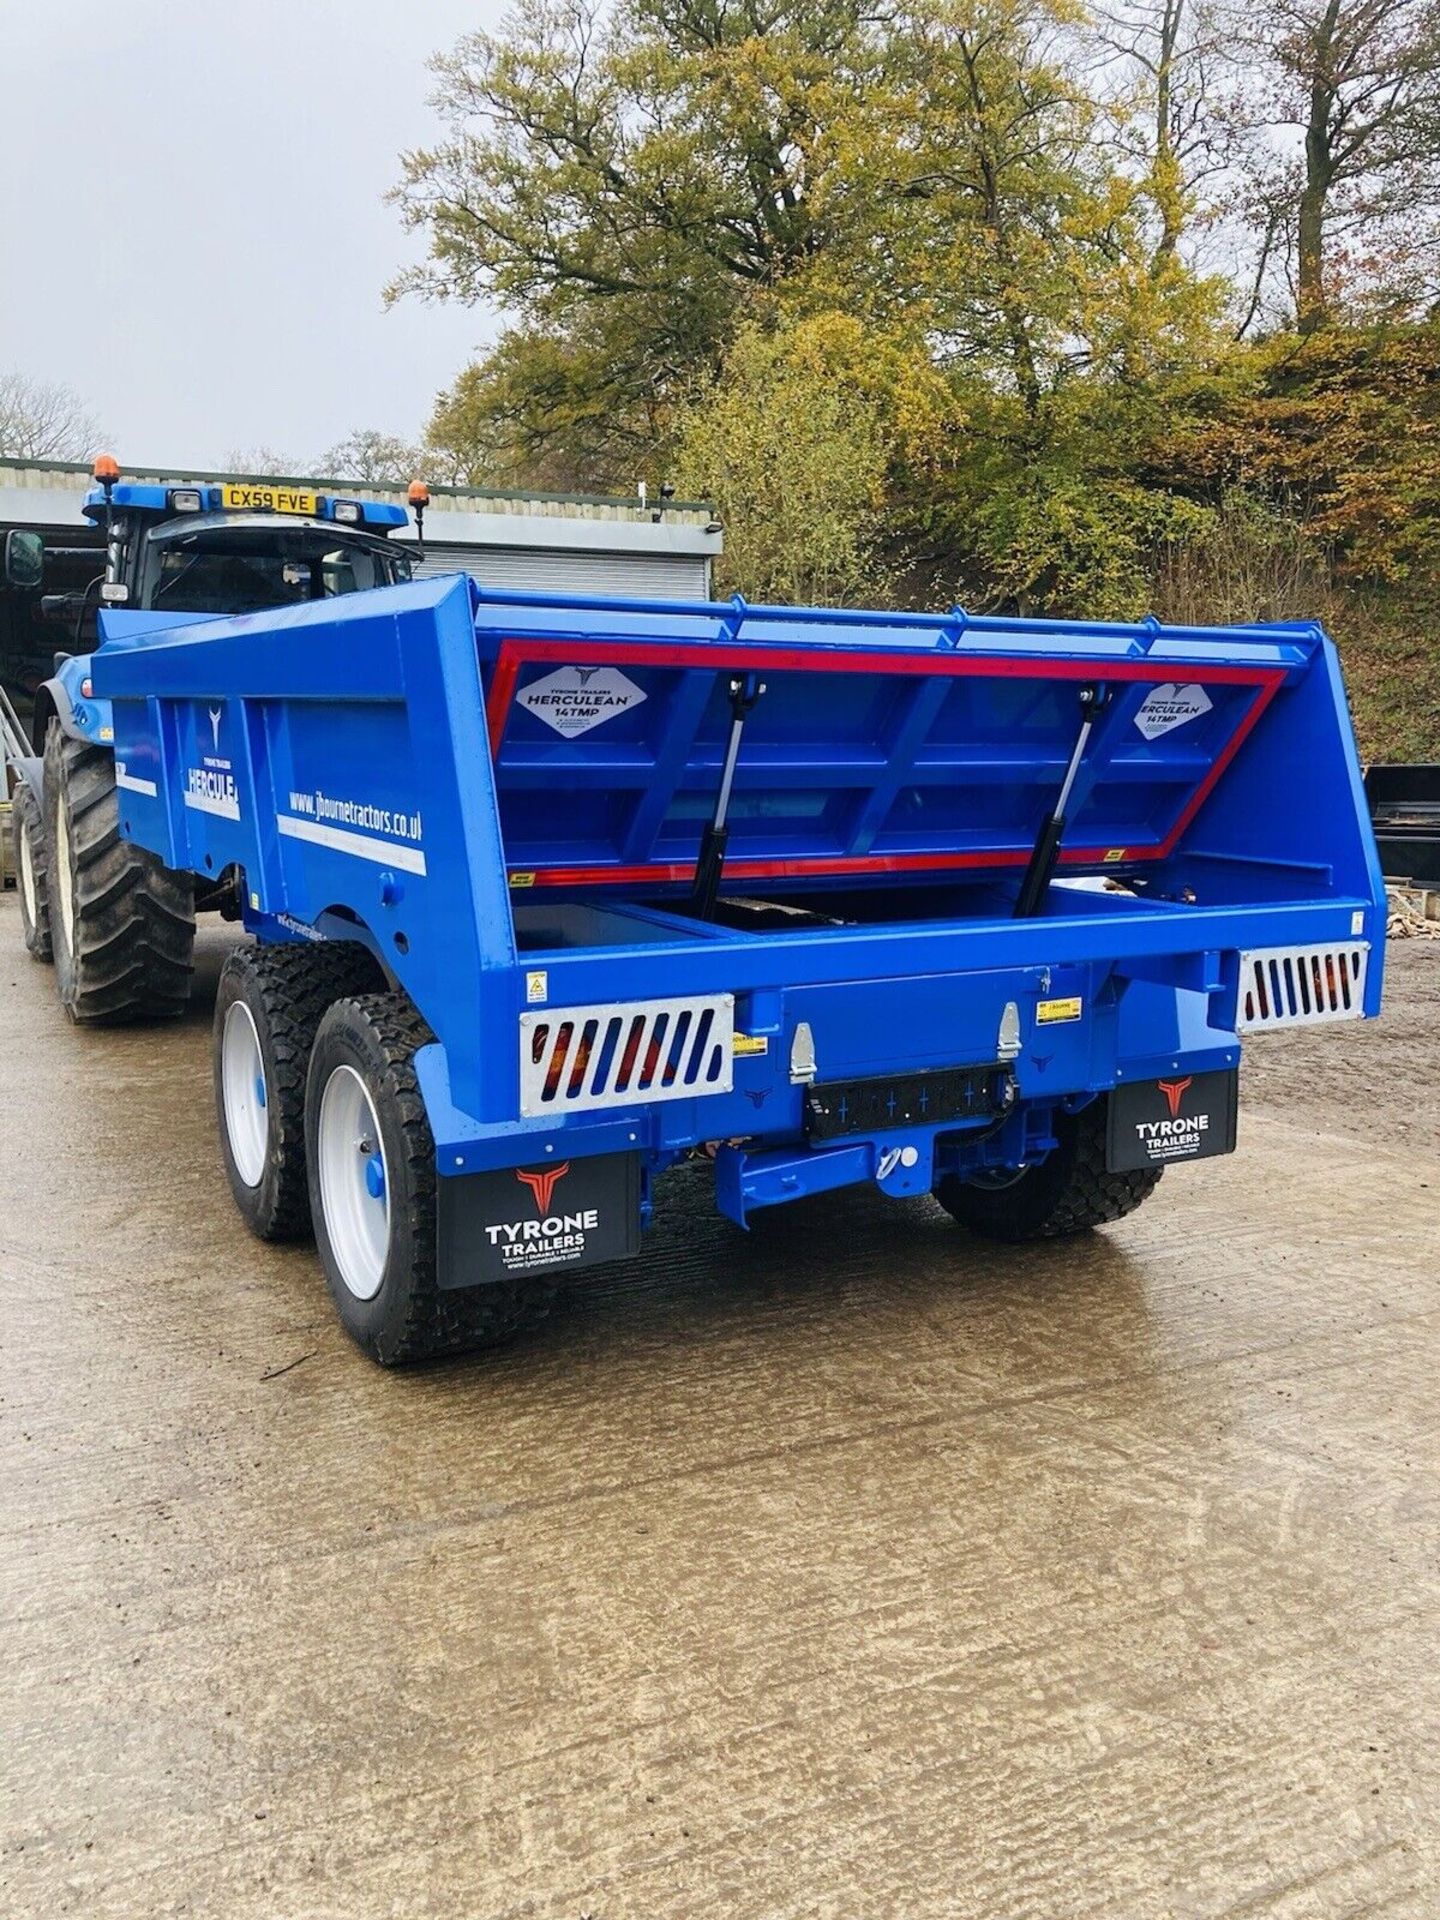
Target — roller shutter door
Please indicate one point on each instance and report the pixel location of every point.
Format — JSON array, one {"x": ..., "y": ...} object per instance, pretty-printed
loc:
[{"x": 660, "y": 576}]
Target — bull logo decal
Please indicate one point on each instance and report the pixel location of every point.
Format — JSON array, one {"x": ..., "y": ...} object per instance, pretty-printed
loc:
[
  {"x": 543, "y": 1183},
  {"x": 1174, "y": 1092},
  {"x": 217, "y": 714}
]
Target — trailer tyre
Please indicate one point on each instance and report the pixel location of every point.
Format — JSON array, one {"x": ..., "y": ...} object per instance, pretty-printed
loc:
[
  {"x": 1067, "y": 1192},
  {"x": 27, "y": 833},
  {"x": 371, "y": 1159},
  {"x": 122, "y": 925},
  {"x": 268, "y": 1008}
]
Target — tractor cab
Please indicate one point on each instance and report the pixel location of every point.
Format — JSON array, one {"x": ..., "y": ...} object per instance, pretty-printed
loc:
[
  {"x": 229, "y": 547},
  {"x": 216, "y": 547},
  {"x": 223, "y": 561}
]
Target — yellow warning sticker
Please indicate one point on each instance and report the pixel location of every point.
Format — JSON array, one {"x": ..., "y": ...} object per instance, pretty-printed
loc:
[
  {"x": 522, "y": 879},
  {"x": 1115, "y": 853},
  {"x": 1052, "y": 1013},
  {"x": 748, "y": 1043}
]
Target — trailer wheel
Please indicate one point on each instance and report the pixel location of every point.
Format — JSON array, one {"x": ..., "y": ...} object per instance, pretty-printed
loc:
[
  {"x": 372, "y": 1175},
  {"x": 268, "y": 1007},
  {"x": 27, "y": 832},
  {"x": 1066, "y": 1192},
  {"x": 122, "y": 925}
]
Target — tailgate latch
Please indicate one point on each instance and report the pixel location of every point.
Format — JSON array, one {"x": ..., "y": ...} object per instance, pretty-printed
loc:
[
  {"x": 802, "y": 1056},
  {"x": 1007, "y": 1045}
]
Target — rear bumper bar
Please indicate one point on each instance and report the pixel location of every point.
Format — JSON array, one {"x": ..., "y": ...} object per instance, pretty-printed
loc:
[{"x": 1156, "y": 985}]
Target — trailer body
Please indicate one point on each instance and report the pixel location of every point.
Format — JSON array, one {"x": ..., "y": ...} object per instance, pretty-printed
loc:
[{"x": 503, "y": 796}]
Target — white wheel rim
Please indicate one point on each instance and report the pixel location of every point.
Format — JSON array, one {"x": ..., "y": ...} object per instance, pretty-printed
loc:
[
  {"x": 27, "y": 876},
  {"x": 244, "y": 1093},
  {"x": 64, "y": 874},
  {"x": 354, "y": 1182}
]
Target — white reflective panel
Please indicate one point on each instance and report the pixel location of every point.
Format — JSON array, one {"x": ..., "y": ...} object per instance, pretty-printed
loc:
[
  {"x": 626, "y": 1053},
  {"x": 1301, "y": 986}
]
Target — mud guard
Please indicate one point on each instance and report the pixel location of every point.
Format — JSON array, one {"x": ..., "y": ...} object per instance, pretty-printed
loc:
[
  {"x": 551, "y": 1219},
  {"x": 32, "y": 771},
  {"x": 82, "y": 718}
]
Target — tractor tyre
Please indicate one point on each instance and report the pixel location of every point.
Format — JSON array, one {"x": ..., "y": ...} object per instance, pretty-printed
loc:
[
  {"x": 371, "y": 1159},
  {"x": 27, "y": 835},
  {"x": 268, "y": 1008},
  {"x": 122, "y": 925},
  {"x": 1068, "y": 1191}
]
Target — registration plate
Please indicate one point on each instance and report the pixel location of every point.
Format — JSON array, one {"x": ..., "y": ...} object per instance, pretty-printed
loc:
[
  {"x": 268, "y": 499},
  {"x": 834, "y": 1108}
]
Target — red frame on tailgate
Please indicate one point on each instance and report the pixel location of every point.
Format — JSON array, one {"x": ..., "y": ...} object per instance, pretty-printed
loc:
[{"x": 514, "y": 654}]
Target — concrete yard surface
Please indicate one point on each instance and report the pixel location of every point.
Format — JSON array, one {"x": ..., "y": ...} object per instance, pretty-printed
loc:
[{"x": 849, "y": 1568}]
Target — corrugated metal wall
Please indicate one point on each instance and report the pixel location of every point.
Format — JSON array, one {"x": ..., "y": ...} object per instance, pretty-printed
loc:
[{"x": 669, "y": 576}]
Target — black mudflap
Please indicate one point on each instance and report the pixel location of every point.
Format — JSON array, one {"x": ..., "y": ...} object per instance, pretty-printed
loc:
[
  {"x": 539, "y": 1219},
  {"x": 1154, "y": 1123}
]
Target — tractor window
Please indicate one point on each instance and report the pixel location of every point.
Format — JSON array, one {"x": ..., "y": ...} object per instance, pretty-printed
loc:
[
  {"x": 28, "y": 638},
  {"x": 230, "y": 572}
]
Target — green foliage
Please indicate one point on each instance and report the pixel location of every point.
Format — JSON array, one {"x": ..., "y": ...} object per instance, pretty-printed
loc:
[
  {"x": 795, "y": 439},
  {"x": 622, "y": 184},
  {"x": 1049, "y": 514},
  {"x": 547, "y": 409},
  {"x": 907, "y": 293}
]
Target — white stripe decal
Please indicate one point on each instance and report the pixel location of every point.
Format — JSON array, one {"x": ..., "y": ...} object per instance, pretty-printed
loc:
[
  {"x": 364, "y": 846},
  {"x": 207, "y": 803},
  {"x": 133, "y": 783}
]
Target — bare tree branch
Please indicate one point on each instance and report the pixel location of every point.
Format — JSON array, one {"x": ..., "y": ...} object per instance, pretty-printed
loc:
[{"x": 44, "y": 420}]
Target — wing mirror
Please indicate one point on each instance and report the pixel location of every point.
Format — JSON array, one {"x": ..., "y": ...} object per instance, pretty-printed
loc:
[{"x": 24, "y": 559}]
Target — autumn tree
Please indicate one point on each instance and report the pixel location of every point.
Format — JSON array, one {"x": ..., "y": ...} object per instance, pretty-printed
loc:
[
  {"x": 619, "y": 183},
  {"x": 1160, "y": 66},
  {"x": 1011, "y": 228},
  {"x": 1357, "y": 84},
  {"x": 634, "y": 187}
]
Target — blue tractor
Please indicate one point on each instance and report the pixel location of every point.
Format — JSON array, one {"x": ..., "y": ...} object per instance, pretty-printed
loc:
[{"x": 119, "y": 923}]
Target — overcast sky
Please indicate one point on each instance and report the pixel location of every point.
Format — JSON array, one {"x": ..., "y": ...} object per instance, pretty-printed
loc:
[{"x": 195, "y": 235}]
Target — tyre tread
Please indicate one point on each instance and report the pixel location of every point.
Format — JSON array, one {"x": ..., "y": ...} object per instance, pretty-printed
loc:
[
  {"x": 295, "y": 987},
  {"x": 26, "y": 820},
  {"x": 134, "y": 916},
  {"x": 1086, "y": 1194},
  {"x": 436, "y": 1320}
]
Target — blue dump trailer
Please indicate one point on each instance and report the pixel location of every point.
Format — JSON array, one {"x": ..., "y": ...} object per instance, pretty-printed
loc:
[{"x": 549, "y": 893}]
